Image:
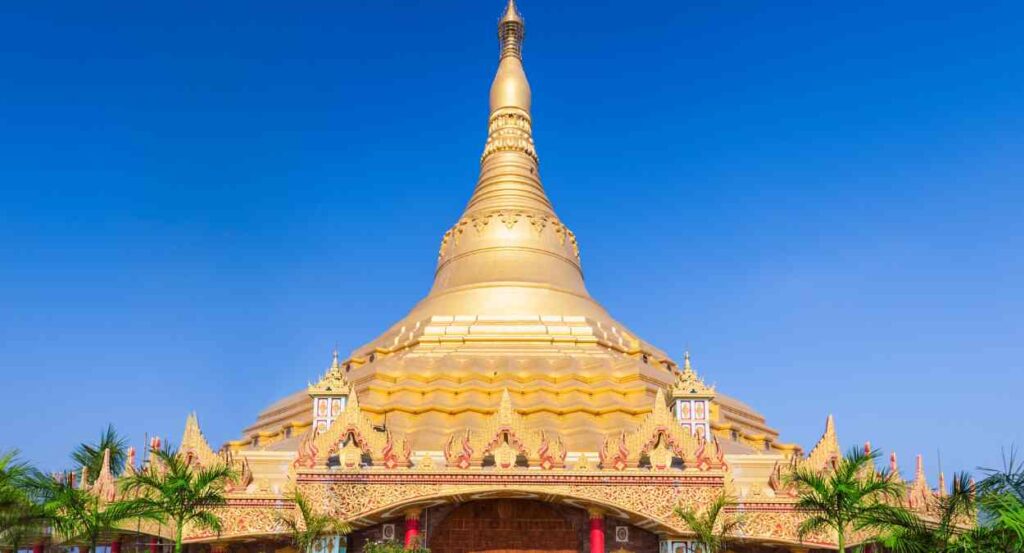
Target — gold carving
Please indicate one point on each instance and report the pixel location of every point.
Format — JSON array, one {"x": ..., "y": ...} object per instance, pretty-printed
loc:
[
  {"x": 194, "y": 447},
  {"x": 826, "y": 452},
  {"x": 689, "y": 385},
  {"x": 333, "y": 382},
  {"x": 505, "y": 437},
  {"x": 660, "y": 429},
  {"x": 351, "y": 436}
]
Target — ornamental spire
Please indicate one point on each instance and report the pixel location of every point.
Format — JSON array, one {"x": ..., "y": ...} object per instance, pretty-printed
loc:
[
  {"x": 894, "y": 467},
  {"x": 511, "y": 31},
  {"x": 826, "y": 452},
  {"x": 689, "y": 384},
  {"x": 333, "y": 382},
  {"x": 509, "y": 231}
]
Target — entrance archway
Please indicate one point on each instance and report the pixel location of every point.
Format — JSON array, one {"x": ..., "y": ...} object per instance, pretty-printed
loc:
[{"x": 505, "y": 526}]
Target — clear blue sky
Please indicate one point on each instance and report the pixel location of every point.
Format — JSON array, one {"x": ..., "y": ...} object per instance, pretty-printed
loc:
[{"x": 821, "y": 200}]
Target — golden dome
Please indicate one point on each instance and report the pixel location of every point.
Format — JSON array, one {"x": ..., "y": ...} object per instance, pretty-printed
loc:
[{"x": 508, "y": 309}]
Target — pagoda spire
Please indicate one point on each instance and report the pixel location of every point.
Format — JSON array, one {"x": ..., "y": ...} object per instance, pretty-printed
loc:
[
  {"x": 511, "y": 31},
  {"x": 509, "y": 231},
  {"x": 508, "y": 172},
  {"x": 509, "y": 261}
]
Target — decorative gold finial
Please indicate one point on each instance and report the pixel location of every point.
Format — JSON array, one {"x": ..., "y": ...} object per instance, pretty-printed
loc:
[
  {"x": 689, "y": 384},
  {"x": 333, "y": 382},
  {"x": 510, "y": 88},
  {"x": 511, "y": 31}
]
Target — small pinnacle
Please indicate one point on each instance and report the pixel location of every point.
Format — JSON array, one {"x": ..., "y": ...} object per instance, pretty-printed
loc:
[{"x": 511, "y": 13}]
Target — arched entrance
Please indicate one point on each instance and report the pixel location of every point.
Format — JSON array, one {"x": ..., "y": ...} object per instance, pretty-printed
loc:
[{"x": 505, "y": 526}]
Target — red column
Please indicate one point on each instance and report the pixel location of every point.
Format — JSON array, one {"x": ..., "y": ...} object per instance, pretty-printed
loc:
[
  {"x": 596, "y": 531},
  {"x": 38, "y": 548},
  {"x": 154, "y": 546},
  {"x": 115, "y": 546},
  {"x": 412, "y": 528}
]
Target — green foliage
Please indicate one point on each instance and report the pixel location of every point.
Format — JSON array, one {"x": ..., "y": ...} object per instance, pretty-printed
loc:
[
  {"x": 13, "y": 474},
  {"x": 987, "y": 518},
  {"x": 908, "y": 533},
  {"x": 170, "y": 488},
  {"x": 79, "y": 516},
  {"x": 392, "y": 546},
  {"x": 309, "y": 526},
  {"x": 90, "y": 456},
  {"x": 20, "y": 516},
  {"x": 1001, "y": 498},
  {"x": 852, "y": 497},
  {"x": 710, "y": 526}
]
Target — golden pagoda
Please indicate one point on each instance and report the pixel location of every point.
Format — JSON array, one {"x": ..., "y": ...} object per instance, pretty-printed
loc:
[{"x": 508, "y": 410}]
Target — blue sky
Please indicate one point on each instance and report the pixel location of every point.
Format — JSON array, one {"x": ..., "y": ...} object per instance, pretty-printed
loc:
[{"x": 821, "y": 200}]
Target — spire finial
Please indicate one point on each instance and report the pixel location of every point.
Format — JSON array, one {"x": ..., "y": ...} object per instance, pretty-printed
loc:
[
  {"x": 334, "y": 358},
  {"x": 511, "y": 13},
  {"x": 510, "y": 88},
  {"x": 686, "y": 361},
  {"x": 511, "y": 31}
]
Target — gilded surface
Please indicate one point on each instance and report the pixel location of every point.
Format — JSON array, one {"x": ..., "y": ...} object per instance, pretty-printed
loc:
[
  {"x": 509, "y": 311},
  {"x": 194, "y": 445},
  {"x": 353, "y": 438},
  {"x": 507, "y": 440},
  {"x": 660, "y": 434}
]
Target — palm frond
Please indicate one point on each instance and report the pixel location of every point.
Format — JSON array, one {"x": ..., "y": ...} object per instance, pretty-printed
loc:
[
  {"x": 171, "y": 488},
  {"x": 711, "y": 526},
  {"x": 91, "y": 455}
]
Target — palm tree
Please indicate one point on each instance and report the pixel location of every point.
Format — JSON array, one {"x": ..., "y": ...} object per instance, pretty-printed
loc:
[
  {"x": 1002, "y": 501},
  {"x": 17, "y": 529},
  {"x": 78, "y": 515},
  {"x": 171, "y": 488},
  {"x": 851, "y": 497},
  {"x": 13, "y": 473},
  {"x": 711, "y": 528},
  {"x": 1004, "y": 521},
  {"x": 906, "y": 532},
  {"x": 90, "y": 456},
  {"x": 309, "y": 528},
  {"x": 20, "y": 517}
]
